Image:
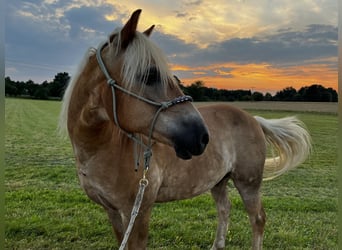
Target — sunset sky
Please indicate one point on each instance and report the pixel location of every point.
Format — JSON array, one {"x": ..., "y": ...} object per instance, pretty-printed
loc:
[{"x": 263, "y": 45}]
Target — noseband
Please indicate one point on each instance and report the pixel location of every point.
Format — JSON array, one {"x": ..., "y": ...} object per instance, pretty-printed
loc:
[{"x": 160, "y": 105}]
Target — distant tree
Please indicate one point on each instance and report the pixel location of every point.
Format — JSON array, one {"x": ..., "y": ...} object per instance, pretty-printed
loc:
[
  {"x": 334, "y": 95},
  {"x": 21, "y": 88},
  {"x": 243, "y": 95},
  {"x": 58, "y": 85},
  {"x": 45, "y": 84},
  {"x": 297, "y": 97},
  {"x": 41, "y": 92},
  {"x": 314, "y": 93},
  {"x": 318, "y": 93},
  {"x": 196, "y": 91},
  {"x": 257, "y": 96},
  {"x": 326, "y": 96},
  {"x": 268, "y": 97},
  {"x": 31, "y": 87},
  {"x": 245, "y": 98},
  {"x": 225, "y": 95},
  {"x": 287, "y": 94},
  {"x": 209, "y": 94},
  {"x": 10, "y": 88}
]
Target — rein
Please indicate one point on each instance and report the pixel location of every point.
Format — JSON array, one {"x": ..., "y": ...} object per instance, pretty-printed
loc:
[{"x": 143, "y": 183}]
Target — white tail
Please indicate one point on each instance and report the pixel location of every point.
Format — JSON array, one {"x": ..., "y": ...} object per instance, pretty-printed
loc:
[{"x": 292, "y": 141}]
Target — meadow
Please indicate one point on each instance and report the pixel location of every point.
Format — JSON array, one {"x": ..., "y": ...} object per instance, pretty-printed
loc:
[{"x": 46, "y": 208}]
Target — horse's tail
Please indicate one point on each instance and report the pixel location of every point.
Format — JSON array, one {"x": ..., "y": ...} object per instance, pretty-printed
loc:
[{"x": 291, "y": 140}]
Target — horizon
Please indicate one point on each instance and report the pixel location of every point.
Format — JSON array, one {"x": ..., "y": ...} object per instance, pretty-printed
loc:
[
  {"x": 252, "y": 90},
  {"x": 262, "y": 47}
]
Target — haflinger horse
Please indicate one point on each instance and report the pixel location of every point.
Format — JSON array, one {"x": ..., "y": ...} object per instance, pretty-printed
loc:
[{"x": 124, "y": 104}]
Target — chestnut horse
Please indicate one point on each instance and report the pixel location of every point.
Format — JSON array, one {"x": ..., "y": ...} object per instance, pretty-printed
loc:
[{"x": 124, "y": 101}]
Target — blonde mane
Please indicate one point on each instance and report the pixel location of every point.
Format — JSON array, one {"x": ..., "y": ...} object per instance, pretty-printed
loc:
[{"x": 141, "y": 55}]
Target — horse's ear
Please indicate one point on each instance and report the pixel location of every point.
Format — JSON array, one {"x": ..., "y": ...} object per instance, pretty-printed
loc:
[
  {"x": 128, "y": 31},
  {"x": 149, "y": 31}
]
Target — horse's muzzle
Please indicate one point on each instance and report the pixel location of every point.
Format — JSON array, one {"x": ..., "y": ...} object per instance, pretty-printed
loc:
[{"x": 191, "y": 141}]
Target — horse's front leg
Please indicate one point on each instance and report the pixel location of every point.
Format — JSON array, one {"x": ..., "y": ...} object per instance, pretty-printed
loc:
[
  {"x": 120, "y": 221},
  {"x": 220, "y": 195},
  {"x": 139, "y": 234},
  {"x": 116, "y": 221}
]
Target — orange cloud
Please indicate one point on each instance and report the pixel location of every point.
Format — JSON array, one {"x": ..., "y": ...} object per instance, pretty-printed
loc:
[
  {"x": 262, "y": 77},
  {"x": 199, "y": 73}
]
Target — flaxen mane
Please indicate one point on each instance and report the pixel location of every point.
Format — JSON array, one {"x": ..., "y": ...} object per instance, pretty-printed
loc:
[{"x": 140, "y": 56}]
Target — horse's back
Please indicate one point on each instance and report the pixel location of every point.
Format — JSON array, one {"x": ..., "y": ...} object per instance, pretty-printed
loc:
[{"x": 223, "y": 116}]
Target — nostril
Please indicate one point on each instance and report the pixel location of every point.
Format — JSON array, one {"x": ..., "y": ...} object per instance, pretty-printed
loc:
[{"x": 205, "y": 139}]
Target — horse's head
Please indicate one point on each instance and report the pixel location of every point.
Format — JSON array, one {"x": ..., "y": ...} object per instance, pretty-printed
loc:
[{"x": 147, "y": 94}]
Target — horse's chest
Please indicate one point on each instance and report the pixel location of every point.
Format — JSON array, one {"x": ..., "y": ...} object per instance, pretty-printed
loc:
[{"x": 97, "y": 176}]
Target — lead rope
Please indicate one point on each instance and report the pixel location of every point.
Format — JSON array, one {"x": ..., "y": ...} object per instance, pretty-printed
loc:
[{"x": 143, "y": 183}]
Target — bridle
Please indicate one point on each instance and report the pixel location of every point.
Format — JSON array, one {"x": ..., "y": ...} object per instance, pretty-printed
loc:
[{"x": 160, "y": 105}]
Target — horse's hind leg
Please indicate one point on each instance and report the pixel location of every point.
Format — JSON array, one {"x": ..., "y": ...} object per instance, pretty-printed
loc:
[
  {"x": 219, "y": 193},
  {"x": 250, "y": 194}
]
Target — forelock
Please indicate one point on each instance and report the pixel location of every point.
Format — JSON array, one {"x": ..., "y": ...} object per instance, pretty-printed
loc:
[{"x": 139, "y": 57}]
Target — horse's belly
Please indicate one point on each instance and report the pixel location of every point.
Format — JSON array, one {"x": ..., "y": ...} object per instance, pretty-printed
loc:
[{"x": 191, "y": 178}]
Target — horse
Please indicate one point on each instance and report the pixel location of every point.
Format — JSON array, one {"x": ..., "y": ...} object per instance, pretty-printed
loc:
[{"x": 129, "y": 122}]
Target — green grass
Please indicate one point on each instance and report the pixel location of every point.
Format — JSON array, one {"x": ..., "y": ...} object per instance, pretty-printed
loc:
[{"x": 46, "y": 208}]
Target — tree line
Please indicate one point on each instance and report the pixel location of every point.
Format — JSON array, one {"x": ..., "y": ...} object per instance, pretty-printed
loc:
[
  {"x": 313, "y": 93},
  {"x": 198, "y": 91},
  {"x": 46, "y": 90}
]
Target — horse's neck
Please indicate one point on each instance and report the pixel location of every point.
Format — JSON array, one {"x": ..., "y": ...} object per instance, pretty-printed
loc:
[
  {"x": 88, "y": 110},
  {"x": 91, "y": 117}
]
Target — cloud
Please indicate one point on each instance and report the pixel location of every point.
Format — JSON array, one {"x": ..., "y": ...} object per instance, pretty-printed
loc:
[
  {"x": 264, "y": 77},
  {"x": 202, "y": 39},
  {"x": 285, "y": 47},
  {"x": 52, "y": 34},
  {"x": 207, "y": 22},
  {"x": 90, "y": 21},
  {"x": 181, "y": 14},
  {"x": 288, "y": 57},
  {"x": 193, "y": 2},
  {"x": 172, "y": 45}
]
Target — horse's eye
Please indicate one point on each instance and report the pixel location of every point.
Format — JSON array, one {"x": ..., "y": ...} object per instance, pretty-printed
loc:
[{"x": 152, "y": 76}]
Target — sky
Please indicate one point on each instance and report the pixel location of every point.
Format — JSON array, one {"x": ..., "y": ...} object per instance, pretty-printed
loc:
[{"x": 264, "y": 45}]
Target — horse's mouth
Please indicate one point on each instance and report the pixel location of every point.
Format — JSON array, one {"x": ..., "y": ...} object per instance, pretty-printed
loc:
[{"x": 183, "y": 153}]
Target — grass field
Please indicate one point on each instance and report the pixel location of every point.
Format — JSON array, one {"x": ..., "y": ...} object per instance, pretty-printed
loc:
[{"x": 46, "y": 209}]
